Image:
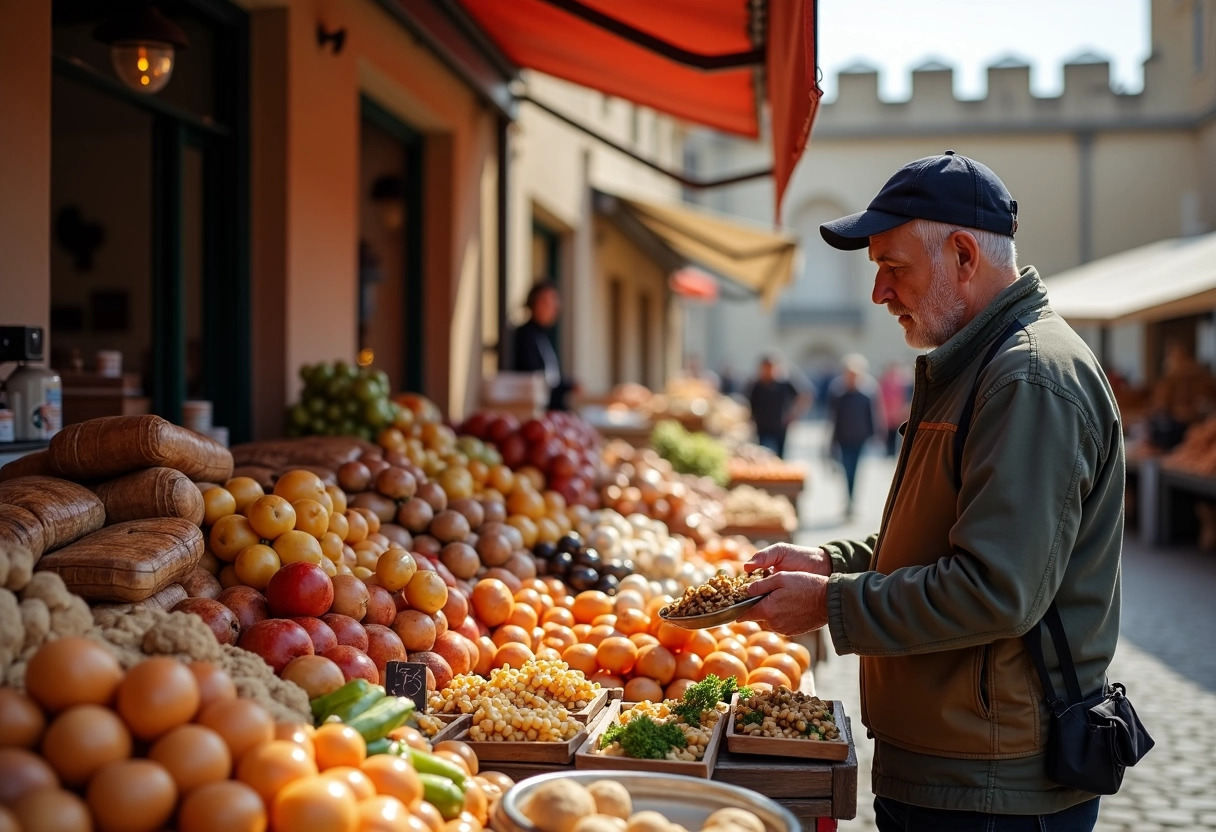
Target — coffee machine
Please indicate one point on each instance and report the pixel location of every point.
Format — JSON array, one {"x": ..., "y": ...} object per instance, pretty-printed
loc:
[{"x": 34, "y": 392}]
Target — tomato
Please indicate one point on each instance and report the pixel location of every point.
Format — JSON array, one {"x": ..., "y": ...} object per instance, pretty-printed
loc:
[{"x": 256, "y": 564}]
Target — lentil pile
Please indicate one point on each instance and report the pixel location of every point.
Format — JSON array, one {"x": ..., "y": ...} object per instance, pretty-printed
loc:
[
  {"x": 717, "y": 593},
  {"x": 786, "y": 714}
]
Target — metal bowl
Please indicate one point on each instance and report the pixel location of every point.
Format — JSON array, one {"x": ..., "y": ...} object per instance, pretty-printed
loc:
[
  {"x": 687, "y": 801},
  {"x": 715, "y": 618}
]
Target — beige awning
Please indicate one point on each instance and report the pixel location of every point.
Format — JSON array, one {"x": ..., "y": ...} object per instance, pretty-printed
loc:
[
  {"x": 755, "y": 257},
  {"x": 1161, "y": 280}
]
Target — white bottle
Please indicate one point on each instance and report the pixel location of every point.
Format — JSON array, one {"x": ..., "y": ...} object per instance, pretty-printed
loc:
[{"x": 35, "y": 395}]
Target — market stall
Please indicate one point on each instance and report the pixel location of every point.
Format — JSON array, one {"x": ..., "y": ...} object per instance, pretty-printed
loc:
[{"x": 401, "y": 615}]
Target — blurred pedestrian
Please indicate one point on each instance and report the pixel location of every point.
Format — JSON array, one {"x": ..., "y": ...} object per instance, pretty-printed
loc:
[
  {"x": 534, "y": 351},
  {"x": 895, "y": 393},
  {"x": 852, "y": 400},
  {"x": 776, "y": 401}
]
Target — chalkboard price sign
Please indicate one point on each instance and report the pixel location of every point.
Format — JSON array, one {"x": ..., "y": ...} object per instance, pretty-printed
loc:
[{"x": 407, "y": 679}]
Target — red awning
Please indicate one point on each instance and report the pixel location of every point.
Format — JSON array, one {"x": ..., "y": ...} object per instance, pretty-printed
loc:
[{"x": 599, "y": 44}]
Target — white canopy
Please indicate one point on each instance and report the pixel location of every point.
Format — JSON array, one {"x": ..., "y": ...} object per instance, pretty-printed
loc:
[{"x": 1165, "y": 279}]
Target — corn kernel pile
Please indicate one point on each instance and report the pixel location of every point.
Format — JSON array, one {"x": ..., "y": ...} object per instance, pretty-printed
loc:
[
  {"x": 697, "y": 735},
  {"x": 531, "y": 703},
  {"x": 428, "y": 725},
  {"x": 786, "y": 714}
]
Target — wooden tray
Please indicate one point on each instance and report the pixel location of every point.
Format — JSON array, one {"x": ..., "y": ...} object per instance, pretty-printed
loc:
[
  {"x": 780, "y": 747},
  {"x": 589, "y": 713},
  {"x": 587, "y": 758},
  {"x": 770, "y": 534},
  {"x": 526, "y": 752},
  {"x": 453, "y": 726}
]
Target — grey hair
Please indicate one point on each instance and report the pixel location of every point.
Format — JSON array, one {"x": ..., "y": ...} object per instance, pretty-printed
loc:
[{"x": 998, "y": 249}]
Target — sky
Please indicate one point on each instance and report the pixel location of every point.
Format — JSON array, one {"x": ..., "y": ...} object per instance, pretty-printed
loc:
[{"x": 898, "y": 35}]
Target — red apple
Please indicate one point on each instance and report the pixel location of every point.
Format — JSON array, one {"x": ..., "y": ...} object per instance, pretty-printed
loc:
[
  {"x": 563, "y": 466},
  {"x": 534, "y": 431},
  {"x": 457, "y": 607},
  {"x": 277, "y": 641},
  {"x": 399, "y": 600},
  {"x": 353, "y": 663},
  {"x": 248, "y": 604},
  {"x": 299, "y": 589},
  {"x": 350, "y": 597},
  {"x": 381, "y": 609},
  {"x": 347, "y": 630},
  {"x": 222, "y": 621},
  {"x": 322, "y": 634},
  {"x": 467, "y": 628},
  {"x": 501, "y": 427},
  {"x": 514, "y": 449},
  {"x": 446, "y": 574},
  {"x": 383, "y": 646}
]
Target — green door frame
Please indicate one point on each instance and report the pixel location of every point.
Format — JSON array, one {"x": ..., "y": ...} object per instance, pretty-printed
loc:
[
  {"x": 412, "y": 317},
  {"x": 227, "y": 335}
]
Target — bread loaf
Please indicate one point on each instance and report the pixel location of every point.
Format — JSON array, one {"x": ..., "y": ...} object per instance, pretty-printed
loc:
[
  {"x": 152, "y": 492},
  {"x": 20, "y": 528},
  {"x": 67, "y": 511},
  {"x": 103, "y": 448},
  {"x": 323, "y": 451},
  {"x": 128, "y": 562},
  {"x": 35, "y": 464}
]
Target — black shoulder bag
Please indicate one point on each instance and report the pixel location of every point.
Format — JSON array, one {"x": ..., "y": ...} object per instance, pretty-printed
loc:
[{"x": 1091, "y": 740}]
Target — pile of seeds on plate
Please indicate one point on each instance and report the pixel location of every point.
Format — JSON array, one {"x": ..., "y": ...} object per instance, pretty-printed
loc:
[{"x": 718, "y": 592}]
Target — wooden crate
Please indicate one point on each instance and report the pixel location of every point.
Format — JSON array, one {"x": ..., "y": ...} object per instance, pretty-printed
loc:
[
  {"x": 589, "y": 713},
  {"x": 587, "y": 758},
  {"x": 453, "y": 726},
  {"x": 525, "y": 752},
  {"x": 758, "y": 534},
  {"x": 805, "y": 749}
]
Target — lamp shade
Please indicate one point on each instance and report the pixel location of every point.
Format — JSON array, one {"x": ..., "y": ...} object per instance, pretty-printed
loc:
[{"x": 143, "y": 45}]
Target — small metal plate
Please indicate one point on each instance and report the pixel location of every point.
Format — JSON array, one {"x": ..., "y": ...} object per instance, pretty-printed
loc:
[
  {"x": 687, "y": 801},
  {"x": 715, "y": 618}
]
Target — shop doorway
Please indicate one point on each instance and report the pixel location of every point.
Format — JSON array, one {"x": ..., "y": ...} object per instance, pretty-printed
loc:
[
  {"x": 390, "y": 299},
  {"x": 149, "y": 220}
]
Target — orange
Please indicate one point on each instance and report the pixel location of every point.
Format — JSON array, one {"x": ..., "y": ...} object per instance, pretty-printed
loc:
[
  {"x": 485, "y": 656},
  {"x": 581, "y": 631},
  {"x": 643, "y": 639},
  {"x": 581, "y": 657},
  {"x": 311, "y": 517},
  {"x": 558, "y": 637},
  {"x": 509, "y": 633},
  {"x": 426, "y": 592},
  {"x": 300, "y": 484},
  {"x": 359, "y": 783},
  {"x": 356, "y": 527},
  {"x": 702, "y": 643},
  {"x": 598, "y": 633},
  {"x": 270, "y": 766},
  {"x": 255, "y": 565},
  {"x": 745, "y": 628},
  {"x": 526, "y": 502},
  {"x": 677, "y": 687},
  {"x": 217, "y": 502},
  {"x": 223, "y": 806},
  {"x": 339, "y": 525},
  {"x": 632, "y": 621},
  {"x": 590, "y": 604},
  {"x": 492, "y": 602},
  {"x": 643, "y": 688},
  {"x": 336, "y": 744},
  {"x": 558, "y": 615},
  {"x": 628, "y": 599},
  {"x": 383, "y": 813},
  {"x": 337, "y": 499},
  {"x": 724, "y": 665},
  {"x": 527, "y": 528},
  {"x": 270, "y": 516},
  {"x": 230, "y": 535},
  {"x": 294, "y": 545},
  {"x": 657, "y": 662},
  {"x": 395, "y": 777},
  {"x": 688, "y": 666},
  {"x": 319, "y": 804},
  {"x": 755, "y": 657},
  {"x": 800, "y": 654},
  {"x": 513, "y": 654},
  {"x": 244, "y": 490},
  {"x": 770, "y": 641},
  {"x": 608, "y": 620},
  {"x": 673, "y": 637},
  {"x": 771, "y": 676},
  {"x": 657, "y": 603},
  {"x": 786, "y": 664},
  {"x": 523, "y": 614},
  {"x": 734, "y": 647},
  {"x": 607, "y": 680},
  {"x": 331, "y": 545},
  {"x": 616, "y": 654}
]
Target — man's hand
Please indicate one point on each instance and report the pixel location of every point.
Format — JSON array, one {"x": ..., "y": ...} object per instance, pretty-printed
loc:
[
  {"x": 797, "y": 601},
  {"x": 783, "y": 557}
]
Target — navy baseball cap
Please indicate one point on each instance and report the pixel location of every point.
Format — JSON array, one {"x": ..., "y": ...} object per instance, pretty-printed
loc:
[{"x": 948, "y": 188}]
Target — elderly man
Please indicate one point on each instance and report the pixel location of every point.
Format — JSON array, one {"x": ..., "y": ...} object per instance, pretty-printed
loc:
[{"x": 1007, "y": 500}]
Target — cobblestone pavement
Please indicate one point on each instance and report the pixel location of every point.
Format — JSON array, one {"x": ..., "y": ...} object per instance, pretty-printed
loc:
[{"x": 1166, "y": 656}]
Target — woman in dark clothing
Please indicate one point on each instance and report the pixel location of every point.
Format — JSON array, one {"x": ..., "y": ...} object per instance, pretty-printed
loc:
[{"x": 534, "y": 350}]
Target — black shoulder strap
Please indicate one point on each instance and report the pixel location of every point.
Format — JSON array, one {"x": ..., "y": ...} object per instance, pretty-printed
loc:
[
  {"x": 1033, "y": 639},
  {"x": 964, "y": 421}
]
